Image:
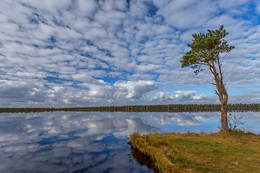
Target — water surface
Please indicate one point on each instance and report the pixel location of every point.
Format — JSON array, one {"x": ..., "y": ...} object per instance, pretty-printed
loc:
[{"x": 91, "y": 141}]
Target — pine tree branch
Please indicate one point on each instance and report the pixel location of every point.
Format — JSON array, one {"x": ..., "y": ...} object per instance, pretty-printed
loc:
[
  {"x": 220, "y": 70},
  {"x": 216, "y": 92}
]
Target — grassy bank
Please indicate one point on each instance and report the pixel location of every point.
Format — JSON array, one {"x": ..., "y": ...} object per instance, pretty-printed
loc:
[{"x": 192, "y": 152}]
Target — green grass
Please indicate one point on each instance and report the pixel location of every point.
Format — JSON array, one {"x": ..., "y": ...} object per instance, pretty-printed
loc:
[{"x": 191, "y": 152}]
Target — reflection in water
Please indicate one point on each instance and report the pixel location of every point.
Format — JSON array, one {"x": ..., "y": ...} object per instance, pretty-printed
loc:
[
  {"x": 89, "y": 142},
  {"x": 143, "y": 159}
]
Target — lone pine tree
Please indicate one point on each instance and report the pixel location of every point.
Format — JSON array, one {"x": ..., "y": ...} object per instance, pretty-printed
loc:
[{"x": 206, "y": 49}]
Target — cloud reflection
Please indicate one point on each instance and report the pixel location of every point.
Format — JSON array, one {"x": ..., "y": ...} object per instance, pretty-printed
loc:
[
  {"x": 86, "y": 141},
  {"x": 68, "y": 142}
]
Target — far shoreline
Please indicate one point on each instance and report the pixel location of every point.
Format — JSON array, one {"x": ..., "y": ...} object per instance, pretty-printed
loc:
[{"x": 143, "y": 108}]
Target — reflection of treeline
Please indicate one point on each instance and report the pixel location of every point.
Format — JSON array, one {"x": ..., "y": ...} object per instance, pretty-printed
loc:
[{"x": 143, "y": 108}]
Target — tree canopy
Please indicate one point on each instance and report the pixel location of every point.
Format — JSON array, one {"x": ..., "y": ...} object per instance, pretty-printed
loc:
[{"x": 206, "y": 48}]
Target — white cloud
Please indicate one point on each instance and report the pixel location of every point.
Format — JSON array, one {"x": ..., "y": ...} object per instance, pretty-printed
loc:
[
  {"x": 101, "y": 90},
  {"x": 87, "y": 8},
  {"x": 185, "y": 14},
  {"x": 74, "y": 44},
  {"x": 199, "y": 97},
  {"x": 136, "y": 90},
  {"x": 180, "y": 96},
  {"x": 187, "y": 95},
  {"x": 236, "y": 7},
  {"x": 162, "y": 97},
  {"x": 49, "y": 6},
  {"x": 258, "y": 9}
]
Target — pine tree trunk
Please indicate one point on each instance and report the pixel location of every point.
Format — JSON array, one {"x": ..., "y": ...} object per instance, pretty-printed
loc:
[
  {"x": 223, "y": 97},
  {"x": 224, "y": 122}
]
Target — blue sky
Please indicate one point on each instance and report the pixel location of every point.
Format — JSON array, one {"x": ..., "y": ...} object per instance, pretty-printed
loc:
[{"x": 66, "y": 53}]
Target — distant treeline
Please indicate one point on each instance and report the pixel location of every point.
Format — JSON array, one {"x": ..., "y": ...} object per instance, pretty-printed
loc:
[{"x": 144, "y": 108}]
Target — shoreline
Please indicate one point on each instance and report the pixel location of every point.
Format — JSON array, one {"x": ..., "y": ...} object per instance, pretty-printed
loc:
[
  {"x": 234, "y": 151},
  {"x": 145, "y": 108}
]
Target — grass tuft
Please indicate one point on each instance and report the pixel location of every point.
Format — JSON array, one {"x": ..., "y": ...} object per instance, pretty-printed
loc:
[{"x": 234, "y": 151}]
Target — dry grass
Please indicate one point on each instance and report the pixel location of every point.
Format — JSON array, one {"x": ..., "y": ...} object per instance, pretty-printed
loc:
[{"x": 191, "y": 152}]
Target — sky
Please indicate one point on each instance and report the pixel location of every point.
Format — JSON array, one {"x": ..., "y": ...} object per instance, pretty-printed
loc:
[{"x": 66, "y": 53}]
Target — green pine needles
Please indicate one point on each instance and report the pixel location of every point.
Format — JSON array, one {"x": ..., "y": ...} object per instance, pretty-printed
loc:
[{"x": 206, "y": 49}]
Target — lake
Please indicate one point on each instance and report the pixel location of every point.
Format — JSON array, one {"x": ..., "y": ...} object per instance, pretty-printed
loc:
[{"x": 92, "y": 141}]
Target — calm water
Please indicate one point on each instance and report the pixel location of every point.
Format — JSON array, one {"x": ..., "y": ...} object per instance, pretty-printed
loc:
[{"x": 91, "y": 141}]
